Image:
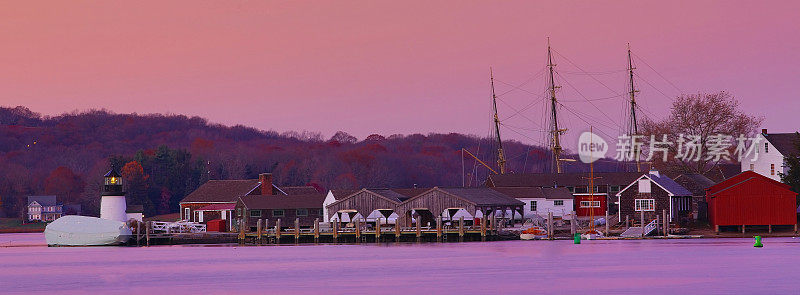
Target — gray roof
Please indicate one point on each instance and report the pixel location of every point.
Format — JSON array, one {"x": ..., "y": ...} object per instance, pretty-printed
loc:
[
  {"x": 43, "y": 200},
  {"x": 670, "y": 185},
  {"x": 390, "y": 194},
  {"x": 695, "y": 183},
  {"x": 562, "y": 179},
  {"x": 339, "y": 194},
  {"x": 558, "y": 193},
  {"x": 223, "y": 191},
  {"x": 483, "y": 196},
  {"x": 785, "y": 143}
]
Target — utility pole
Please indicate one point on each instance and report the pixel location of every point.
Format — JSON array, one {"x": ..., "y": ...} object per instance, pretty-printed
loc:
[
  {"x": 555, "y": 145},
  {"x": 633, "y": 128},
  {"x": 501, "y": 161}
]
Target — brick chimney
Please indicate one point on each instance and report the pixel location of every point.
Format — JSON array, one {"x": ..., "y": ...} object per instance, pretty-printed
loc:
[
  {"x": 764, "y": 131},
  {"x": 266, "y": 183}
]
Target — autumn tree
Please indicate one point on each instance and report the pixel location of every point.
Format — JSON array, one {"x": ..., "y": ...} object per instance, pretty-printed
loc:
[
  {"x": 65, "y": 184},
  {"x": 137, "y": 186},
  {"x": 702, "y": 116}
]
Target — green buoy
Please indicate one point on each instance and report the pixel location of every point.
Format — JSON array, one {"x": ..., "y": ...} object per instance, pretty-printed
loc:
[
  {"x": 577, "y": 238},
  {"x": 758, "y": 243}
]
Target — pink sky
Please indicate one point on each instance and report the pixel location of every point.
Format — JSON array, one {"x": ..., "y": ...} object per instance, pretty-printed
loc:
[{"x": 391, "y": 67}]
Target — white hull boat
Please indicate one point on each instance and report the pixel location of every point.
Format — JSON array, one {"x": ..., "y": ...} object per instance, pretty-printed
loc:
[{"x": 75, "y": 230}]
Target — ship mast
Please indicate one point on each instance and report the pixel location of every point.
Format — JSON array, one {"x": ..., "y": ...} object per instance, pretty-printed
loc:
[
  {"x": 555, "y": 132},
  {"x": 501, "y": 161},
  {"x": 633, "y": 128}
]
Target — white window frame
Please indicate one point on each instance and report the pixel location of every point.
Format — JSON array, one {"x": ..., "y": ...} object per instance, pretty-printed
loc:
[
  {"x": 649, "y": 204},
  {"x": 187, "y": 214},
  {"x": 255, "y": 216},
  {"x": 283, "y": 213},
  {"x": 590, "y": 204}
]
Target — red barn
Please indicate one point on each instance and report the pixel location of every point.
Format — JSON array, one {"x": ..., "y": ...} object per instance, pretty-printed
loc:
[
  {"x": 750, "y": 198},
  {"x": 586, "y": 204}
]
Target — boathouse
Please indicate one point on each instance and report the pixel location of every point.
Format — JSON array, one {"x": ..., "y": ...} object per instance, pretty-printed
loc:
[
  {"x": 304, "y": 208},
  {"x": 333, "y": 196},
  {"x": 476, "y": 202},
  {"x": 697, "y": 184},
  {"x": 366, "y": 203},
  {"x": 651, "y": 194},
  {"x": 751, "y": 199}
]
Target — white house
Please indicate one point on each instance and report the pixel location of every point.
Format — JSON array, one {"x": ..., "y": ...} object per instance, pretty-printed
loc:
[
  {"x": 539, "y": 201},
  {"x": 43, "y": 208},
  {"x": 768, "y": 157}
]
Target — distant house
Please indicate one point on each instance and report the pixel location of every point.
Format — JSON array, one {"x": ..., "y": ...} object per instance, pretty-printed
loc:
[
  {"x": 751, "y": 199},
  {"x": 586, "y": 201},
  {"x": 539, "y": 201},
  {"x": 217, "y": 198},
  {"x": 697, "y": 185},
  {"x": 769, "y": 155},
  {"x": 333, "y": 196},
  {"x": 43, "y": 208},
  {"x": 72, "y": 209},
  {"x": 304, "y": 208},
  {"x": 652, "y": 193}
]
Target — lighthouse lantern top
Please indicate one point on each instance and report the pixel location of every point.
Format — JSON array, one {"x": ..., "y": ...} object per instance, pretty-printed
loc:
[{"x": 112, "y": 182}]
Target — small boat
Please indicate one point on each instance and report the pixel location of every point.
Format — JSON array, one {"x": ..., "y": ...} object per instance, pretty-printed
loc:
[
  {"x": 73, "y": 230},
  {"x": 533, "y": 233},
  {"x": 592, "y": 235}
]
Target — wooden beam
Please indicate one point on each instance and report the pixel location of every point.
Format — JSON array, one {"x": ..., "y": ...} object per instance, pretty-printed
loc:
[
  {"x": 278, "y": 231},
  {"x": 377, "y": 230},
  {"x": 316, "y": 230},
  {"x": 259, "y": 229}
]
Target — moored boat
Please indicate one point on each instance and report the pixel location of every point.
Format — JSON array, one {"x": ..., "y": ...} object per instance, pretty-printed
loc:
[{"x": 75, "y": 230}]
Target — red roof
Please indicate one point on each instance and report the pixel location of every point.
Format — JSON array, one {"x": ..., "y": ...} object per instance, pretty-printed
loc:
[{"x": 218, "y": 207}]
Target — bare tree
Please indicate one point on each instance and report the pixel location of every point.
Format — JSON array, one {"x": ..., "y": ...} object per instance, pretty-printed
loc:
[{"x": 703, "y": 116}]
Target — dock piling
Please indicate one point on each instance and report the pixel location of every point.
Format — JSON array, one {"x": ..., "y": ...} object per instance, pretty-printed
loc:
[
  {"x": 358, "y": 230},
  {"x": 377, "y": 230},
  {"x": 439, "y": 228},
  {"x": 572, "y": 223},
  {"x": 138, "y": 232},
  {"x": 296, "y": 230},
  {"x": 148, "y": 226},
  {"x": 550, "y": 225},
  {"x": 666, "y": 222},
  {"x": 278, "y": 231},
  {"x": 461, "y": 229},
  {"x": 316, "y": 230},
  {"x": 397, "y": 230},
  {"x": 606, "y": 233},
  {"x": 259, "y": 230}
]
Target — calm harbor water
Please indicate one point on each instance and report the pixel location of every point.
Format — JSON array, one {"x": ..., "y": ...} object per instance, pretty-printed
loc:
[{"x": 707, "y": 266}]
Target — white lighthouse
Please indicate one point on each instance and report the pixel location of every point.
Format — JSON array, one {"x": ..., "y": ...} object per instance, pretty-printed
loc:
[{"x": 112, "y": 203}]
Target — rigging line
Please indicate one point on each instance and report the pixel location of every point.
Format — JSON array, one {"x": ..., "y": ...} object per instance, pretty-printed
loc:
[
  {"x": 653, "y": 86},
  {"x": 525, "y": 108},
  {"x": 584, "y": 97},
  {"x": 520, "y": 114},
  {"x": 582, "y": 70},
  {"x": 642, "y": 109},
  {"x": 659, "y": 74},
  {"x": 581, "y": 118},
  {"x": 594, "y": 99},
  {"x": 594, "y": 73},
  {"x": 523, "y": 128},
  {"x": 517, "y": 88},
  {"x": 523, "y": 135}
]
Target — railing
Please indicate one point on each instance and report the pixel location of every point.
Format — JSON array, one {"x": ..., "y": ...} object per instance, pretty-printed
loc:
[
  {"x": 650, "y": 227},
  {"x": 178, "y": 227}
]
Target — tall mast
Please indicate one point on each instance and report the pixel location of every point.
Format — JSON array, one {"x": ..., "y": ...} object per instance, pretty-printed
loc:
[
  {"x": 501, "y": 161},
  {"x": 555, "y": 145},
  {"x": 633, "y": 128}
]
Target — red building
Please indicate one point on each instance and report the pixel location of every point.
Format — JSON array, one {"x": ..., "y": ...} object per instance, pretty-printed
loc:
[
  {"x": 588, "y": 204},
  {"x": 751, "y": 199}
]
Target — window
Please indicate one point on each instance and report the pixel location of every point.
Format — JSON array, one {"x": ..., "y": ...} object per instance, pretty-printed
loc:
[
  {"x": 645, "y": 204},
  {"x": 302, "y": 212},
  {"x": 239, "y": 212},
  {"x": 614, "y": 188},
  {"x": 255, "y": 213},
  {"x": 558, "y": 203},
  {"x": 752, "y": 166},
  {"x": 571, "y": 189},
  {"x": 533, "y": 206},
  {"x": 771, "y": 169},
  {"x": 766, "y": 147},
  {"x": 187, "y": 213},
  {"x": 277, "y": 213},
  {"x": 590, "y": 204}
]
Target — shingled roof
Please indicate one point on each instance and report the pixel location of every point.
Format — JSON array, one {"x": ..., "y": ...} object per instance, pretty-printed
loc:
[
  {"x": 695, "y": 183},
  {"x": 221, "y": 191},
  {"x": 310, "y": 201},
  {"x": 535, "y": 192},
  {"x": 562, "y": 179},
  {"x": 43, "y": 200},
  {"x": 785, "y": 143},
  {"x": 483, "y": 196}
]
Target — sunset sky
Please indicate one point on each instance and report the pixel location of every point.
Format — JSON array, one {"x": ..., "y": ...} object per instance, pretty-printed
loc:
[{"x": 395, "y": 67}]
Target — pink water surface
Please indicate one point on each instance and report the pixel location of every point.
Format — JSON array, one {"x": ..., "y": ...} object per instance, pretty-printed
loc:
[{"x": 708, "y": 266}]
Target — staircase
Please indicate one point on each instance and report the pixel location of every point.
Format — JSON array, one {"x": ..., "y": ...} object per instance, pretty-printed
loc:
[{"x": 636, "y": 231}]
